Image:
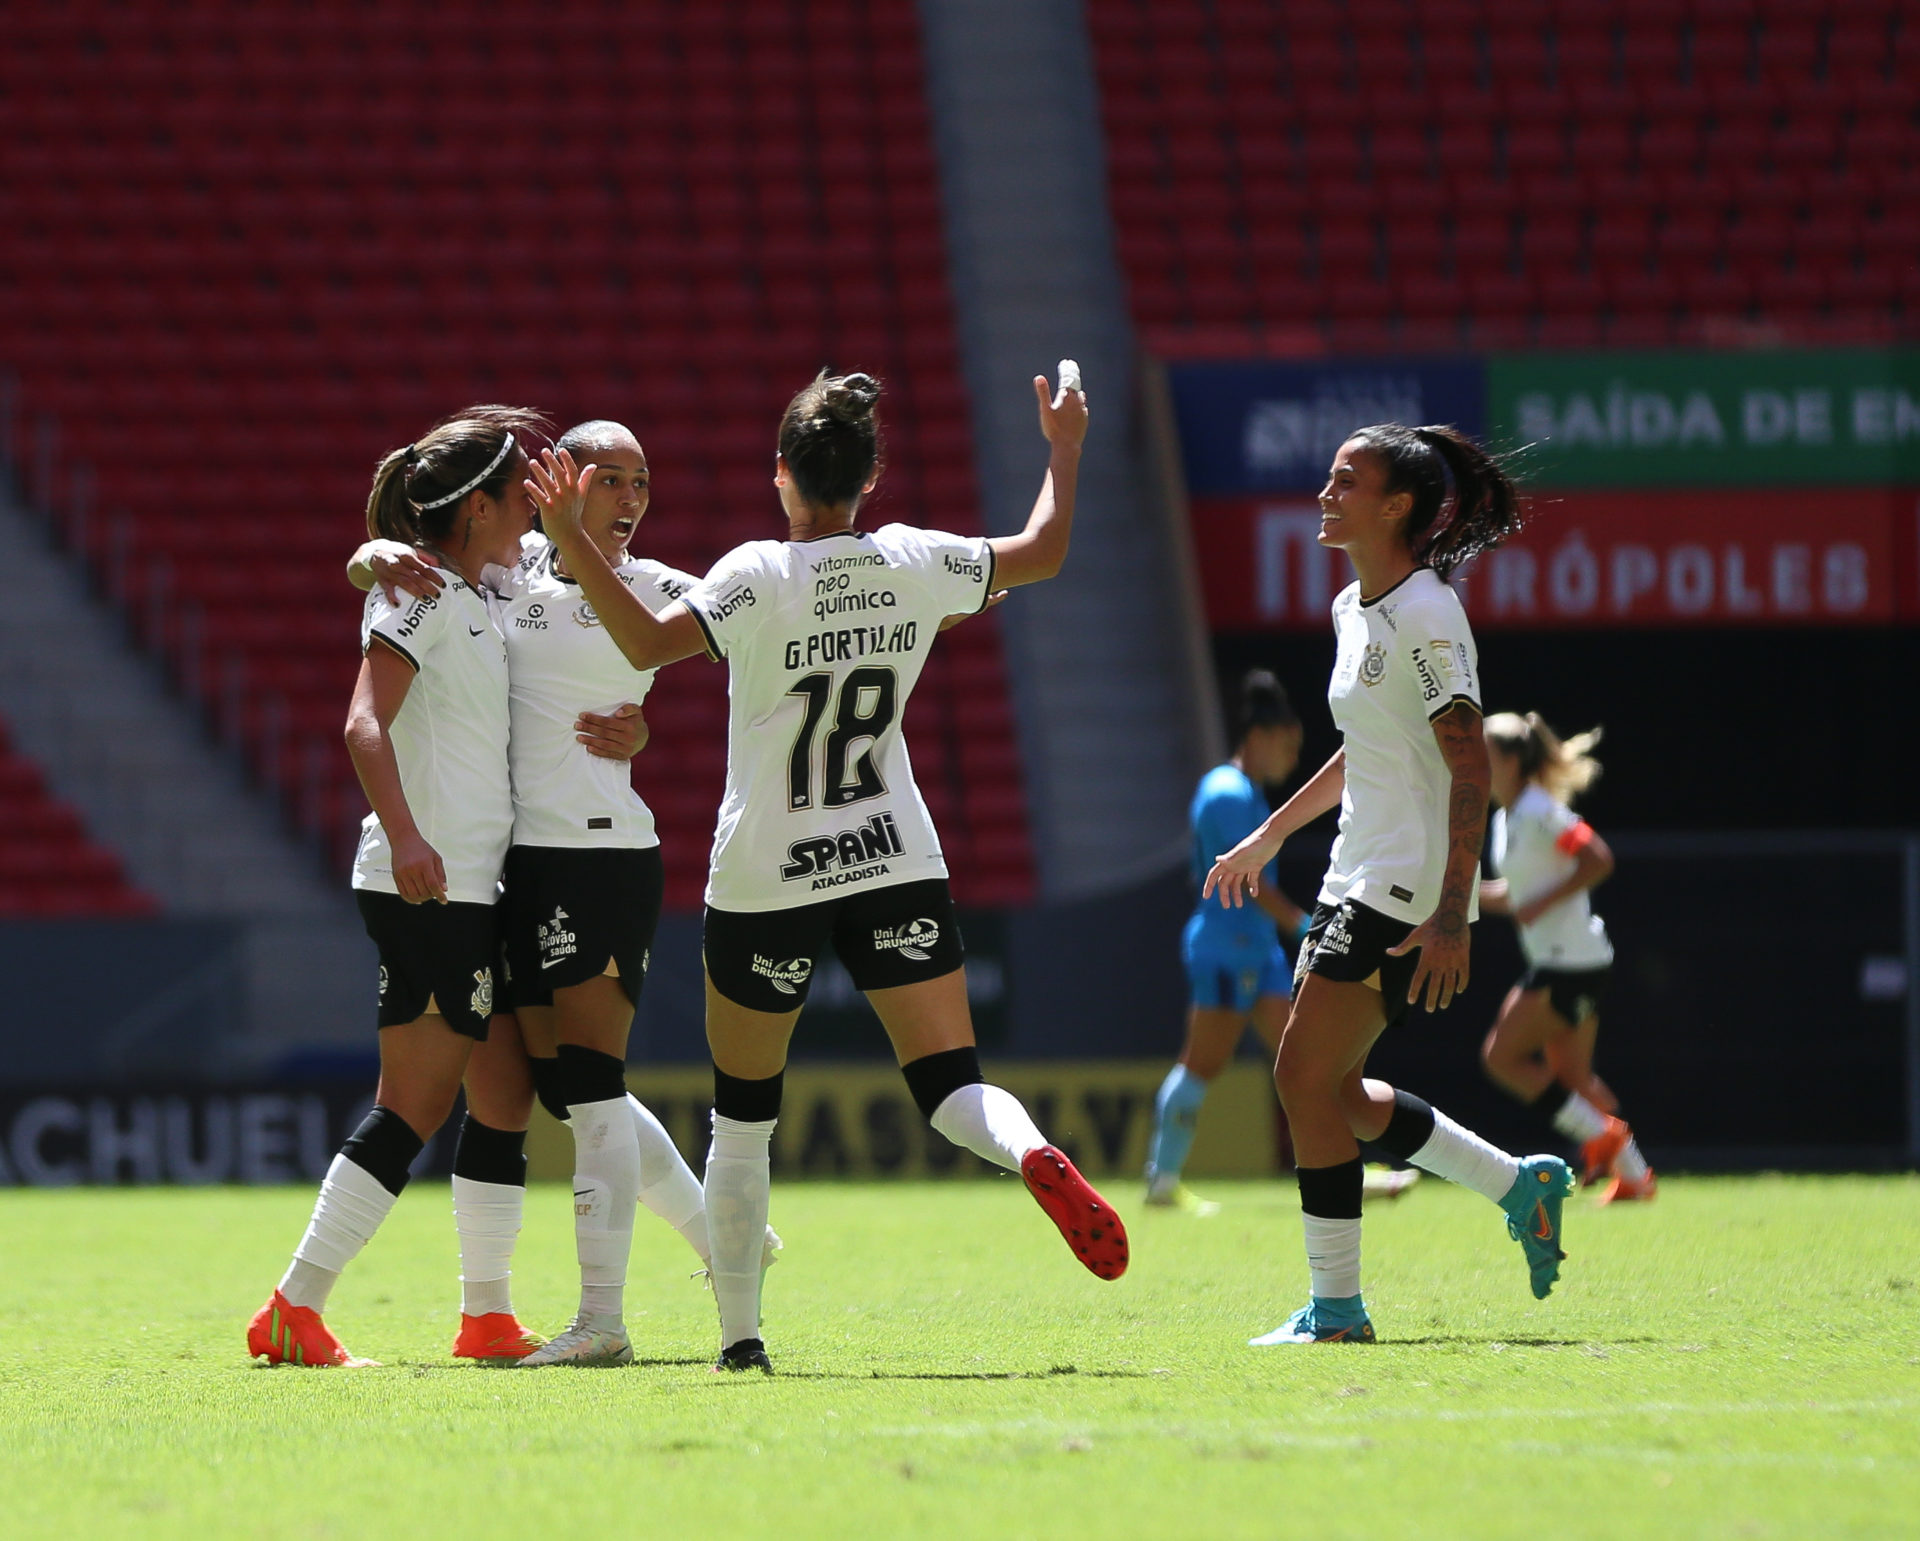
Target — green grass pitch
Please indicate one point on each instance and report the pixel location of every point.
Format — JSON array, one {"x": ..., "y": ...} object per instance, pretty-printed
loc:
[{"x": 1740, "y": 1359}]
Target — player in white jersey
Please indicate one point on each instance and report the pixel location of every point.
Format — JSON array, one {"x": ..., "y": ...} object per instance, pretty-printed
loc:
[
  {"x": 1407, "y": 505},
  {"x": 427, "y": 732},
  {"x": 1549, "y": 859},
  {"x": 823, "y": 840},
  {"x": 583, "y": 879}
]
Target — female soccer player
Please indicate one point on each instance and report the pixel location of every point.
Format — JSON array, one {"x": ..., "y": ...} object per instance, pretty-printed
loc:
[
  {"x": 583, "y": 879},
  {"x": 1236, "y": 969},
  {"x": 427, "y": 731},
  {"x": 1549, "y": 858},
  {"x": 823, "y": 839},
  {"x": 1407, "y": 505}
]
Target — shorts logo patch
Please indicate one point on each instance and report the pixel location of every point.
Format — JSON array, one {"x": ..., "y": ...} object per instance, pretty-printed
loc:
[
  {"x": 1373, "y": 664},
  {"x": 481, "y": 1001},
  {"x": 557, "y": 941},
  {"x": 646, "y": 960},
  {"x": 1584, "y": 1006},
  {"x": 789, "y": 977},
  {"x": 1337, "y": 939},
  {"x": 384, "y": 981},
  {"x": 911, "y": 940}
]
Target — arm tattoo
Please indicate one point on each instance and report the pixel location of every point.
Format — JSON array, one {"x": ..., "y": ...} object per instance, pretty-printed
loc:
[{"x": 1464, "y": 748}]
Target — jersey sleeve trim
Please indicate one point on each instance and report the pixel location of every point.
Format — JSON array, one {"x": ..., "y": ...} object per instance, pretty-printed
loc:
[
  {"x": 1450, "y": 703},
  {"x": 706, "y": 631},
  {"x": 993, "y": 566},
  {"x": 380, "y": 636},
  {"x": 1574, "y": 839}
]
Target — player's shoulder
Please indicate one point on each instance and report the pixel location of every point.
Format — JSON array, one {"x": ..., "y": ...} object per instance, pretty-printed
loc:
[
  {"x": 1224, "y": 781},
  {"x": 643, "y": 572},
  {"x": 1536, "y": 804},
  {"x": 1426, "y": 595},
  {"x": 1347, "y": 601}
]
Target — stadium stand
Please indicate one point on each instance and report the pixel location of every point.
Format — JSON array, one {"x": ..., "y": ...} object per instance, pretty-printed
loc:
[
  {"x": 251, "y": 248},
  {"x": 48, "y": 866},
  {"x": 1292, "y": 175}
]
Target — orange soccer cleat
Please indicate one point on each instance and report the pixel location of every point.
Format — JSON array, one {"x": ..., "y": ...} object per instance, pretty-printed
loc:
[
  {"x": 1621, "y": 1190},
  {"x": 1599, "y": 1153},
  {"x": 496, "y": 1338},
  {"x": 1087, "y": 1221},
  {"x": 282, "y": 1333}
]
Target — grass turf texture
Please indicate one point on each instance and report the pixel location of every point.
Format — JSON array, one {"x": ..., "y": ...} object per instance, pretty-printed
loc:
[{"x": 1740, "y": 1359}]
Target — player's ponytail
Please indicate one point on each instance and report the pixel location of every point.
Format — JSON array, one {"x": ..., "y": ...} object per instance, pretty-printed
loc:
[
  {"x": 1564, "y": 767},
  {"x": 418, "y": 491},
  {"x": 830, "y": 438},
  {"x": 1444, "y": 531},
  {"x": 1262, "y": 703}
]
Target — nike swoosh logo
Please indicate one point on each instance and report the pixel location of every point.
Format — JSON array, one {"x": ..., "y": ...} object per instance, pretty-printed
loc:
[
  {"x": 475, "y": 631},
  {"x": 1544, "y": 1230}
]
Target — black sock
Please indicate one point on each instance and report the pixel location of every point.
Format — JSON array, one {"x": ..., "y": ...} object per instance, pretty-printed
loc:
[
  {"x": 747, "y": 1102},
  {"x": 1332, "y": 1192},
  {"x": 1410, "y": 1127},
  {"x": 933, "y": 1078},
  {"x": 489, "y": 1155},
  {"x": 1549, "y": 1103},
  {"x": 587, "y": 1075},
  {"x": 545, "y": 1087},
  {"x": 383, "y": 1147}
]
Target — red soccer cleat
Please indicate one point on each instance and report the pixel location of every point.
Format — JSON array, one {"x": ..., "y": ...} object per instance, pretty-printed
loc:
[
  {"x": 496, "y": 1338},
  {"x": 287, "y": 1334},
  {"x": 1621, "y": 1191},
  {"x": 1599, "y": 1153},
  {"x": 1087, "y": 1221}
]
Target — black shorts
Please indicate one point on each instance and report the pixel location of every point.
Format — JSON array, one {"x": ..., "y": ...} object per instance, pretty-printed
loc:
[
  {"x": 1575, "y": 993},
  {"x": 568, "y": 913},
  {"x": 433, "y": 957},
  {"x": 1347, "y": 943},
  {"x": 886, "y": 937}
]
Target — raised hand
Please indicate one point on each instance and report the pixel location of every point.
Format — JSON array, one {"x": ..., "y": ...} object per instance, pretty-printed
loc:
[
  {"x": 397, "y": 568},
  {"x": 1063, "y": 416},
  {"x": 559, "y": 491}
]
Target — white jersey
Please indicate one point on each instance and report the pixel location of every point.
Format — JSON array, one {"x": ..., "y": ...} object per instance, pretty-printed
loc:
[
  {"x": 825, "y": 640},
  {"x": 1533, "y": 847},
  {"x": 1403, "y": 658},
  {"x": 563, "y": 663},
  {"x": 449, "y": 737}
]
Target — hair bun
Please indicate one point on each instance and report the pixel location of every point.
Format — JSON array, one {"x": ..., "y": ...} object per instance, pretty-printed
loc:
[{"x": 851, "y": 398}]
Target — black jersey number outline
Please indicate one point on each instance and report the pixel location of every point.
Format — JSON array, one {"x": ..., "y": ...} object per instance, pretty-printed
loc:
[{"x": 851, "y": 723}]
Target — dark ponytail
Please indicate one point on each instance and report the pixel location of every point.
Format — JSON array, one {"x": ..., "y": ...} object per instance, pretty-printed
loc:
[
  {"x": 1444, "y": 532},
  {"x": 1262, "y": 703},
  {"x": 418, "y": 491},
  {"x": 830, "y": 438}
]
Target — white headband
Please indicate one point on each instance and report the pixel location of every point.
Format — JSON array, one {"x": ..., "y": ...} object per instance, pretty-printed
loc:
[{"x": 492, "y": 466}]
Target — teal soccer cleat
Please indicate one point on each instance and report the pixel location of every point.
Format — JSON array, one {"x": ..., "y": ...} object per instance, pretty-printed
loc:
[
  {"x": 1533, "y": 1207},
  {"x": 1321, "y": 1321}
]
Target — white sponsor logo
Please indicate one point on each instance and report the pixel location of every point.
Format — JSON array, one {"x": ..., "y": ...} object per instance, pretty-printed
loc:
[
  {"x": 789, "y": 977},
  {"x": 384, "y": 981},
  {"x": 911, "y": 940},
  {"x": 555, "y": 939}
]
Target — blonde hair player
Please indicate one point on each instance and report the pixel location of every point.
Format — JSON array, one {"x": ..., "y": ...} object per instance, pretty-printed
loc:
[
  {"x": 824, "y": 841},
  {"x": 1407, "y": 506},
  {"x": 1549, "y": 859}
]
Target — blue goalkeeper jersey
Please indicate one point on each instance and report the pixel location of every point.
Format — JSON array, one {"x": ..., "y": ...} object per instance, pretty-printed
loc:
[{"x": 1225, "y": 810}]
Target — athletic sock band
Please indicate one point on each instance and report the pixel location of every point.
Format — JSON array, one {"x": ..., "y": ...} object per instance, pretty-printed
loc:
[
  {"x": 587, "y": 1075},
  {"x": 489, "y": 1155},
  {"x": 1332, "y": 1192},
  {"x": 745, "y": 1101},
  {"x": 546, "y": 1085},
  {"x": 383, "y": 1147},
  {"x": 1409, "y": 1127},
  {"x": 933, "y": 1078},
  {"x": 1551, "y": 1101}
]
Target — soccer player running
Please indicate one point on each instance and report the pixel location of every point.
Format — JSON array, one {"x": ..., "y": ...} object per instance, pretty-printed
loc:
[
  {"x": 427, "y": 731},
  {"x": 823, "y": 839},
  {"x": 1549, "y": 859},
  {"x": 583, "y": 879},
  {"x": 1407, "y": 505},
  {"x": 1237, "y": 971}
]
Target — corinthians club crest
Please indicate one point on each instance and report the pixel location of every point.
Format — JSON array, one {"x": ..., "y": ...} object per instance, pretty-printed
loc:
[
  {"x": 1373, "y": 664},
  {"x": 481, "y": 1001}
]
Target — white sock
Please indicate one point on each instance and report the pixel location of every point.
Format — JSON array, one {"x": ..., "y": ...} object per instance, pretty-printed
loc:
[
  {"x": 1462, "y": 1157},
  {"x": 351, "y": 1205},
  {"x": 989, "y": 1122},
  {"x": 668, "y": 1187},
  {"x": 487, "y": 1218},
  {"x": 736, "y": 1201},
  {"x": 1630, "y": 1164},
  {"x": 606, "y": 1186},
  {"x": 1333, "y": 1257},
  {"x": 1578, "y": 1119}
]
